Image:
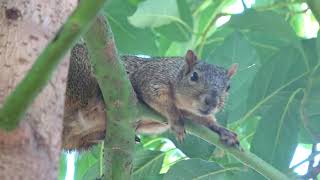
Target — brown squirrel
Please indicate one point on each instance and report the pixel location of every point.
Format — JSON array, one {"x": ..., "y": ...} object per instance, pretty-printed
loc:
[{"x": 176, "y": 87}]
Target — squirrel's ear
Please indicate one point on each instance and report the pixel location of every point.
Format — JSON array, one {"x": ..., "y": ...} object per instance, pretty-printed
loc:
[
  {"x": 191, "y": 60},
  {"x": 232, "y": 70}
]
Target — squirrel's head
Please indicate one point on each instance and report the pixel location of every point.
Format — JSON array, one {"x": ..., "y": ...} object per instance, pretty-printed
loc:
[{"x": 201, "y": 88}]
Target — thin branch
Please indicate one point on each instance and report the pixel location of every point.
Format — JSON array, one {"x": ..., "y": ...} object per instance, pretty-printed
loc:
[
  {"x": 23, "y": 95},
  {"x": 119, "y": 98},
  {"x": 244, "y": 5}
]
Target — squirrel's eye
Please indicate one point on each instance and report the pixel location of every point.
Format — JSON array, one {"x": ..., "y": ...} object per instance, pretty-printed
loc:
[
  {"x": 228, "y": 87},
  {"x": 194, "y": 76}
]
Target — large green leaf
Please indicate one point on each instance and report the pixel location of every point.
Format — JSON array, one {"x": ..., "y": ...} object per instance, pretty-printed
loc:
[
  {"x": 92, "y": 173},
  {"x": 147, "y": 164},
  {"x": 310, "y": 108},
  {"x": 267, "y": 31},
  {"x": 197, "y": 169},
  {"x": 283, "y": 71},
  {"x": 311, "y": 52},
  {"x": 180, "y": 28},
  {"x": 129, "y": 39},
  {"x": 153, "y": 13},
  {"x": 276, "y": 136},
  {"x": 275, "y": 96},
  {"x": 83, "y": 163},
  {"x": 268, "y": 22}
]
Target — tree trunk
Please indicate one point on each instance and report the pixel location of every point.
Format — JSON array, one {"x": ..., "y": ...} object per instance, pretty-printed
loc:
[{"x": 32, "y": 150}]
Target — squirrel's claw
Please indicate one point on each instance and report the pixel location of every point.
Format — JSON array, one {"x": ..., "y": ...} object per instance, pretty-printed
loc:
[
  {"x": 180, "y": 135},
  {"x": 228, "y": 138},
  {"x": 178, "y": 129}
]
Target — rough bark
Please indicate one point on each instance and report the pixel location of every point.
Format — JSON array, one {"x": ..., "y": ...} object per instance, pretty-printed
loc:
[{"x": 32, "y": 150}]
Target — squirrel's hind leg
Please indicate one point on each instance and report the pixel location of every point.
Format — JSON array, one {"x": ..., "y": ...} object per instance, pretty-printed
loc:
[{"x": 151, "y": 127}]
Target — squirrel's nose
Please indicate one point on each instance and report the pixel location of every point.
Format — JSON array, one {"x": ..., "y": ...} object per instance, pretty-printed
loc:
[{"x": 211, "y": 100}]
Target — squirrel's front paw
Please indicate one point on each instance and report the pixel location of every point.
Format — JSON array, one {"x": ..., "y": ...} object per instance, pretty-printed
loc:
[
  {"x": 178, "y": 129},
  {"x": 228, "y": 137}
]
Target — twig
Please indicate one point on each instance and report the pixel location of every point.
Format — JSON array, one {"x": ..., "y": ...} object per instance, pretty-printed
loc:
[
  {"x": 244, "y": 5},
  {"x": 27, "y": 90}
]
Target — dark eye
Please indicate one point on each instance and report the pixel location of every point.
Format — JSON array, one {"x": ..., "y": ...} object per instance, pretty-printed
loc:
[
  {"x": 228, "y": 87},
  {"x": 194, "y": 76}
]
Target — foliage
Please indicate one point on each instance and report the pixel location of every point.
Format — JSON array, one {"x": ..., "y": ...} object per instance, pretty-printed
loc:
[{"x": 274, "y": 96}]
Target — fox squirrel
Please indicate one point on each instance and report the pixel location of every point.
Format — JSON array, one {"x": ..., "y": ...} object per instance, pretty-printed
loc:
[{"x": 176, "y": 87}]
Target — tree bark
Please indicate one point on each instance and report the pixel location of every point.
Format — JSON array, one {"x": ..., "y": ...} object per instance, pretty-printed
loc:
[{"x": 32, "y": 150}]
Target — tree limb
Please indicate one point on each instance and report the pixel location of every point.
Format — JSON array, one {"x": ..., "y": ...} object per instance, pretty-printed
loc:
[
  {"x": 119, "y": 97},
  {"x": 26, "y": 91}
]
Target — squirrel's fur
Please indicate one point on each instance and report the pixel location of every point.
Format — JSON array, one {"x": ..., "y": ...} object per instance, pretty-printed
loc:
[{"x": 176, "y": 87}]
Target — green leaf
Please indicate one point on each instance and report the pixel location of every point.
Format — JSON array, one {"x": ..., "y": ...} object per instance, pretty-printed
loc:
[
  {"x": 310, "y": 49},
  {"x": 193, "y": 146},
  {"x": 267, "y": 31},
  {"x": 276, "y": 136},
  {"x": 180, "y": 29},
  {"x": 267, "y": 21},
  {"x": 197, "y": 169},
  {"x": 275, "y": 95},
  {"x": 147, "y": 164},
  {"x": 283, "y": 71},
  {"x": 83, "y": 162},
  {"x": 318, "y": 46},
  {"x": 128, "y": 38},
  {"x": 310, "y": 109},
  {"x": 154, "y": 13},
  {"x": 62, "y": 166},
  {"x": 92, "y": 173},
  {"x": 247, "y": 175}
]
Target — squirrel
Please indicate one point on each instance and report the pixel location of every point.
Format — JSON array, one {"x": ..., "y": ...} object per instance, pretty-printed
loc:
[{"x": 176, "y": 87}]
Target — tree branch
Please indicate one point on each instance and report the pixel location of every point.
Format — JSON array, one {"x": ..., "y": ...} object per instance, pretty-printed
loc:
[
  {"x": 118, "y": 97},
  {"x": 26, "y": 91}
]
